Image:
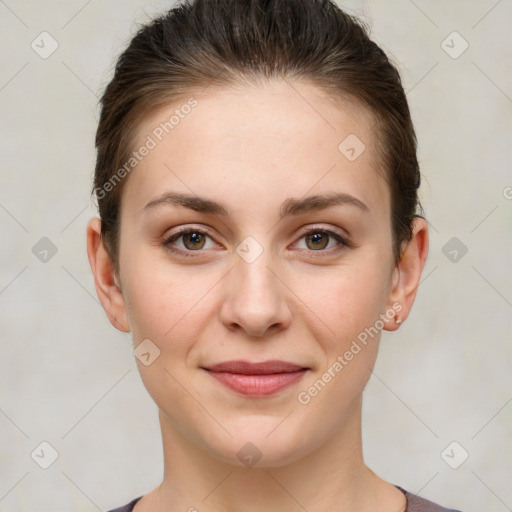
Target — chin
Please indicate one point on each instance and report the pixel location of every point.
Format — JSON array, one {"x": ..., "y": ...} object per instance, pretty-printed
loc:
[{"x": 261, "y": 442}]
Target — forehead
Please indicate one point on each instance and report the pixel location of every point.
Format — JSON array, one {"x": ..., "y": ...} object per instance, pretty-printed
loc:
[{"x": 277, "y": 138}]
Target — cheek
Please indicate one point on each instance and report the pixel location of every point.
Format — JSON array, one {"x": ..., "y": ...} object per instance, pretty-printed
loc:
[
  {"x": 155, "y": 298},
  {"x": 165, "y": 303},
  {"x": 160, "y": 305},
  {"x": 350, "y": 307},
  {"x": 346, "y": 300}
]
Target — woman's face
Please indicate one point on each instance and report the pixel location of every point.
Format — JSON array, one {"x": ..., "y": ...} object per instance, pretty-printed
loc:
[{"x": 268, "y": 271}]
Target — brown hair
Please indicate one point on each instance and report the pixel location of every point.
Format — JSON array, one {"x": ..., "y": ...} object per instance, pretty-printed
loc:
[{"x": 225, "y": 42}]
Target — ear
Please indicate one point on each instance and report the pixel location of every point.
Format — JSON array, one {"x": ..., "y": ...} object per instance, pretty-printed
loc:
[
  {"x": 407, "y": 273},
  {"x": 106, "y": 279}
]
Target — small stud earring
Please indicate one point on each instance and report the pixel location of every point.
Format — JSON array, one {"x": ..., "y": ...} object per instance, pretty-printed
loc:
[{"x": 398, "y": 320}]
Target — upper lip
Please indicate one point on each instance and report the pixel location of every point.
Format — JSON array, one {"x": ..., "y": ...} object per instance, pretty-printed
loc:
[{"x": 261, "y": 368}]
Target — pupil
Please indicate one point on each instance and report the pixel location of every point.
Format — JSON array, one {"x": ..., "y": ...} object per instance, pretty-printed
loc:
[
  {"x": 195, "y": 238},
  {"x": 318, "y": 239}
]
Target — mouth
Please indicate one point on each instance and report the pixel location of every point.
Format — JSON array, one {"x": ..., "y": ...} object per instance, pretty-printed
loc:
[{"x": 257, "y": 379}]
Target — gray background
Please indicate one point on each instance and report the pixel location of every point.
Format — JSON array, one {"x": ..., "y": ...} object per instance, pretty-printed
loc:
[{"x": 68, "y": 377}]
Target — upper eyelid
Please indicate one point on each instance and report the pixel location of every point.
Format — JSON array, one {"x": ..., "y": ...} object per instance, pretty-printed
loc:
[
  {"x": 189, "y": 229},
  {"x": 346, "y": 240}
]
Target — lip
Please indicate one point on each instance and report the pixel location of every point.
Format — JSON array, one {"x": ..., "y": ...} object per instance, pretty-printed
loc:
[{"x": 257, "y": 379}]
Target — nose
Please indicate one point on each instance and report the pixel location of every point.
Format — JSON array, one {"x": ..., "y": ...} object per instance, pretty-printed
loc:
[{"x": 256, "y": 300}]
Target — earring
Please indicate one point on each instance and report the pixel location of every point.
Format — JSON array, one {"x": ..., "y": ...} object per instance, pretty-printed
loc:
[{"x": 398, "y": 320}]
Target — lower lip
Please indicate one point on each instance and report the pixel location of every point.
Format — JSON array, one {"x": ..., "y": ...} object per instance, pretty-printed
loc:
[{"x": 258, "y": 385}]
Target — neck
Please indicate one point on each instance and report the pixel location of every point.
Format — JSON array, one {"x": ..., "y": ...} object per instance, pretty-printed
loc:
[{"x": 331, "y": 477}]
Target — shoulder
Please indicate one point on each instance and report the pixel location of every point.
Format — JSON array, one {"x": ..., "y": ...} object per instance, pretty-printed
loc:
[
  {"x": 127, "y": 508},
  {"x": 416, "y": 503}
]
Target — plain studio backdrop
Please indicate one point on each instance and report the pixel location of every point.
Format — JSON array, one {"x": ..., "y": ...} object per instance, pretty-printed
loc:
[{"x": 438, "y": 409}]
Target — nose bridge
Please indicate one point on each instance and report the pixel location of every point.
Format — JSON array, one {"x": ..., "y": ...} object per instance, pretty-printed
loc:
[
  {"x": 256, "y": 299},
  {"x": 252, "y": 271}
]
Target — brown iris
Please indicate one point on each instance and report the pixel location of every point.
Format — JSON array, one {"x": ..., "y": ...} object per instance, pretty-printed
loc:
[
  {"x": 319, "y": 239},
  {"x": 197, "y": 240}
]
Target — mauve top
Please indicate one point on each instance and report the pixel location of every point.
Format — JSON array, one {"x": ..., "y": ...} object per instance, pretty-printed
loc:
[{"x": 414, "y": 504}]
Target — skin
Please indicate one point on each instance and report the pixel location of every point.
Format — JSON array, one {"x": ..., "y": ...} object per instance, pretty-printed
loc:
[{"x": 252, "y": 148}]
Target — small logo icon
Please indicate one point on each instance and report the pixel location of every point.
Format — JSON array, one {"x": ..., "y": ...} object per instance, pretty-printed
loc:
[
  {"x": 44, "y": 250},
  {"x": 44, "y": 455},
  {"x": 146, "y": 352},
  {"x": 352, "y": 147},
  {"x": 249, "y": 249},
  {"x": 249, "y": 455},
  {"x": 454, "y": 45},
  {"x": 44, "y": 45},
  {"x": 454, "y": 249},
  {"x": 454, "y": 455}
]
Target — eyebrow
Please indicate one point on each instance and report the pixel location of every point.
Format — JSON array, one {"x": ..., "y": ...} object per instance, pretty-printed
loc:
[{"x": 289, "y": 207}]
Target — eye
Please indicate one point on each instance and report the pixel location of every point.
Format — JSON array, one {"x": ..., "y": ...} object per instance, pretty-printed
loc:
[
  {"x": 320, "y": 239},
  {"x": 193, "y": 240}
]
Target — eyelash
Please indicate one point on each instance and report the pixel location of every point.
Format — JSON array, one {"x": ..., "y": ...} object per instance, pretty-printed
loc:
[{"x": 344, "y": 241}]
